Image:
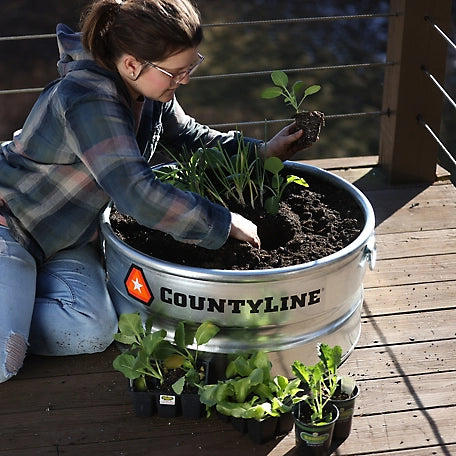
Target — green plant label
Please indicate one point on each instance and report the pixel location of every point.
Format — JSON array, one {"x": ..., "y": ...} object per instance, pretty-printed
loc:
[
  {"x": 345, "y": 414},
  {"x": 314, "y": 439},
  {"x": 167, "y": 399}
]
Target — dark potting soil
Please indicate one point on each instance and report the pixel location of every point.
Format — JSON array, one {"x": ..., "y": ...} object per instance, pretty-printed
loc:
[
  {"x": 312, "y": 223},
  {"x": 339, "y": 395},
  {"x": 311, "y": 123},
  {"x": 169, "y": 378}
]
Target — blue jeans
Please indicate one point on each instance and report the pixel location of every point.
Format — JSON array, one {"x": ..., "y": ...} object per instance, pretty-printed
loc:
[{"x": 60, "y": 308}]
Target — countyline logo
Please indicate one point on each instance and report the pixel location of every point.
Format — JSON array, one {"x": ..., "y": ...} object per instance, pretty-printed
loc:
[{"x": 268, "y": 304}]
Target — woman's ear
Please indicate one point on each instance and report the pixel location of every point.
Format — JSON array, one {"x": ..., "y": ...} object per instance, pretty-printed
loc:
[{"x": 129, "y": 67}]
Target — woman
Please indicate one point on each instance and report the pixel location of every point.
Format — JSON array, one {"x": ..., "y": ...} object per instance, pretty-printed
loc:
[{"x": 87, "y": 141}]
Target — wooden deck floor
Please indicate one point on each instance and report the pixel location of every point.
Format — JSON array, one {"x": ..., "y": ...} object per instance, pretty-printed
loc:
[{"x": 405, "y": 361}]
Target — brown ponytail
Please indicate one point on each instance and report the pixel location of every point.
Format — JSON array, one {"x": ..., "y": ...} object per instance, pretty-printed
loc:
[{"x": 147, "y": 29}]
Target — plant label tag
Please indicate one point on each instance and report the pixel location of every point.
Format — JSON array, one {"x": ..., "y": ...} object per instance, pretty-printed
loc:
[{"x": 166, "y": 399}]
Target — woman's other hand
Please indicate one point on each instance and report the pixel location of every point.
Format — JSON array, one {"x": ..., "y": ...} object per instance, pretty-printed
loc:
[{"x": 244, "y": 230}]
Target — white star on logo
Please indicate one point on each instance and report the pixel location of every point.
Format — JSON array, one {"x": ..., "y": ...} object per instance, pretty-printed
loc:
[{"x": 137, "y": 285}]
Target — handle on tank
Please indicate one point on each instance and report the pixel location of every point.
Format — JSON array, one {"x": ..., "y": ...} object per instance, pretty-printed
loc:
[{"x": 370, "y": 253}]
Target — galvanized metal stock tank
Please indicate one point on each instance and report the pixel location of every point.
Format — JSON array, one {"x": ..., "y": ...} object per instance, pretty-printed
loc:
[{"x": 286, "y": 311}]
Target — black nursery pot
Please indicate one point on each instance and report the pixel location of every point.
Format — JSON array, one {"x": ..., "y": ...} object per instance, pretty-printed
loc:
[
  {"x": 168, "y": 405},
  {"x": 143, "y": 402},
  {"x": 262, "y": 431},
  {"x": 285, "y": 423},
  {"x": 156, "y": 402},
  {"x": 223, "y": 418},
  {"x": 191, "y": 406},
  {"x": 240, "y": 424},
  {"x": 312, "y": 440},
  {"x": 346, "y": 409}
]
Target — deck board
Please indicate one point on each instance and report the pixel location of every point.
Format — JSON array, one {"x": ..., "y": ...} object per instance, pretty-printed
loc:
[
  {"x": 413, "y": 298},
  {"x": 416, "y": 243},
  {"x": 405, "y": 361}
]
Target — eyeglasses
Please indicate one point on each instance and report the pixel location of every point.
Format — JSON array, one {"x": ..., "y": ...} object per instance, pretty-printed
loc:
[{"x": 183, "y": 74}]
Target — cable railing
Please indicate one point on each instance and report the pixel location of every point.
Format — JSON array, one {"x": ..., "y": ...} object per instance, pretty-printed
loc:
[
  {"x": 215, "y": 77},
  {"x": 390, "y": 65},
  {"x": 26, "y": 37},
  {"x": 244, "y": 74},
  {"x": 281, "y": 121},
  {"x": 302, "y": 20},
  {"x": 448, "y": 157}
]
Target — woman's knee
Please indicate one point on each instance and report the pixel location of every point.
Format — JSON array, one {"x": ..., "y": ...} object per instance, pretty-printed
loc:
[
  {"x": 62, "y": 328},
  {"x": 73, "y": 310},
  {"x": 15, "y": 348}
]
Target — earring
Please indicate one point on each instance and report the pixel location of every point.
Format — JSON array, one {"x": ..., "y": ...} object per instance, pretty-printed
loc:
[{"x": 132, "y": 75}]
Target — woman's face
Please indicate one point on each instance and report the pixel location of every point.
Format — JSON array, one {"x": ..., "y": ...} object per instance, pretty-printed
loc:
[{"x": 151, "y": 79}]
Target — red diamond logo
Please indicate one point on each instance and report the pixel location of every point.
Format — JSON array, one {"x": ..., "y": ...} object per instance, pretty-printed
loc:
[{"x": 137, "y": 286}]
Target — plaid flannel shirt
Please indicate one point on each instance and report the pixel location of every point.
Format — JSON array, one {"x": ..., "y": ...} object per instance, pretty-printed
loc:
[{"x": 85, "y": 143}]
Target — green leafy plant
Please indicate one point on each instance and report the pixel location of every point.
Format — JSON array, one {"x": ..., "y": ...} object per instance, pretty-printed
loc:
[
  {"x": 187, "y": 359},
  {"x": 148, "y": 350},
  {"x": 151, "y": 355},
  {"x": 322, "y": 381},
  {"x": 278, "y": 183},
  {"x": 249, "y": 390},
  {"x": 280, "y": 80},
  {"x": 331, "y": 359}
]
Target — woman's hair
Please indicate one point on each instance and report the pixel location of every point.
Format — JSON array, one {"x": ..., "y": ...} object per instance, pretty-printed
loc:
[{"x": 147, "y": 29}]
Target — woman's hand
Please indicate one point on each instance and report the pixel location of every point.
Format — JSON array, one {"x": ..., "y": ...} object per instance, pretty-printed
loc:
[
  {"x": 283, "y": 144},
  {"x": 244, "y": 230}
]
